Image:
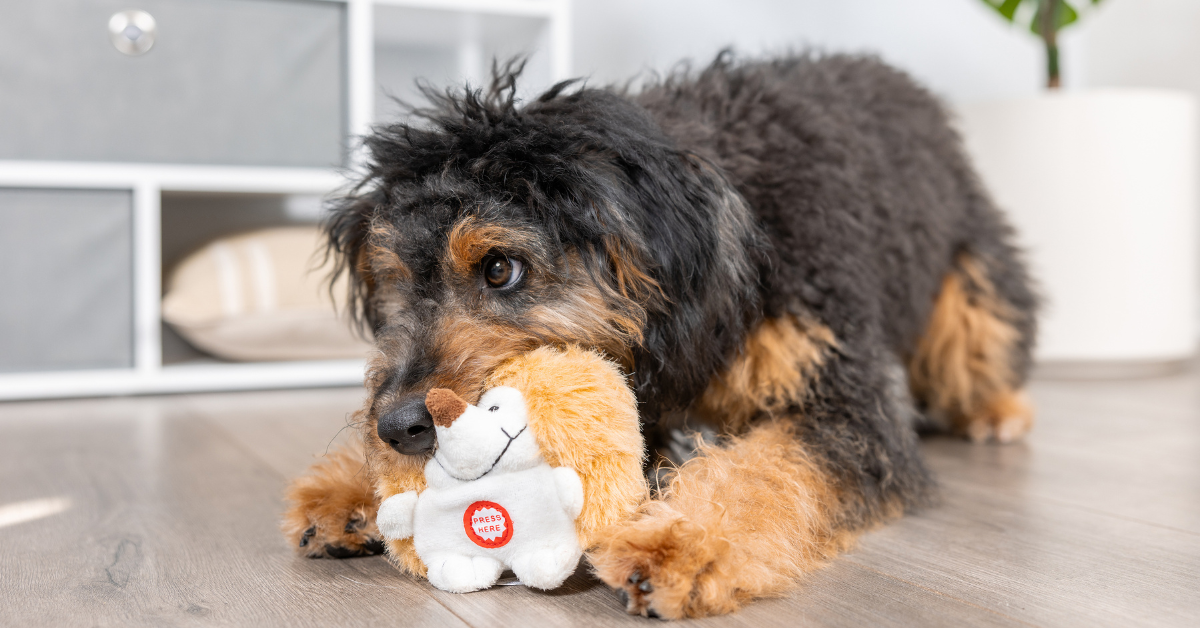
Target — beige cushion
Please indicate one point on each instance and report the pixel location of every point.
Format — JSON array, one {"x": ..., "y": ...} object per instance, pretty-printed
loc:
[{"x": 261, "y": 295}]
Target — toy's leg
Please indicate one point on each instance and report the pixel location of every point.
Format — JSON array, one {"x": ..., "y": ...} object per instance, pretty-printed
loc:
[
  {"x": 332, "y": 511},
  {"x": 547, "y": 568},
  {"x": 459, "y": 573},
  {"x": 972, "y": 361}
]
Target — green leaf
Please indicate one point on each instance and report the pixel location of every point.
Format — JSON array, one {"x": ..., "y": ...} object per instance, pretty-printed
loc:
[
  {"x": 1035, "y": 24},
  {"x": 1009, "y": 8},
  {"x": 1006, "y": 8},
  {"x": 1066, "y": 15}
]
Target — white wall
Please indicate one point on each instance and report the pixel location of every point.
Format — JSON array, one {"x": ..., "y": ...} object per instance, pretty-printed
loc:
[
  {"x": 959, "y": 48},
  {"x": 1143, "y": 43}
]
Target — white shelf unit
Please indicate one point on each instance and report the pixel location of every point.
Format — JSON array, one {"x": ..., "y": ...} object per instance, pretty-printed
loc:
[
  {"x": 363, "y": 32},
  {"x": 148, "y": 182}
]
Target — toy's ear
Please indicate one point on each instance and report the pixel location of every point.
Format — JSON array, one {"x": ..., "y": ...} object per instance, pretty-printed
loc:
[{"x": 445, "y": 406}]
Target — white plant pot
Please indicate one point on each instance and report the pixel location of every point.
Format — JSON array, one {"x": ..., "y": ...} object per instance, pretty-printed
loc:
[{"x": 1101, "y": 187}]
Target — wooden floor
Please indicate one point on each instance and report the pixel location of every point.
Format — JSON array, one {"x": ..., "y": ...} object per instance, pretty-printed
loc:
[{"x": 165, "y": 513}]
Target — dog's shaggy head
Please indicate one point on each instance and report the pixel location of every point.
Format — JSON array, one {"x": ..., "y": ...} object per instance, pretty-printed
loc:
[{"x": 486, "y": 229}]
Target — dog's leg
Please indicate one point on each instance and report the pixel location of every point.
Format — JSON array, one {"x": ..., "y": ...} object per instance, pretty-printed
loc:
[
  {"x": 736, "y": 523},
  {"x": 332, "y": 508},
  {"x": 969, "y": 366},
  {"x": 825, "y": 457}
]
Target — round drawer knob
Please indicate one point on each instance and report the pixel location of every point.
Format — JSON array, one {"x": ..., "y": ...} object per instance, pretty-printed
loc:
[{"x": 132, "y": 32}]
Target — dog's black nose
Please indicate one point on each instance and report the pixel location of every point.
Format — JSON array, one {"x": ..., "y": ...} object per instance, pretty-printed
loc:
[{"x": 408, "y": 426}]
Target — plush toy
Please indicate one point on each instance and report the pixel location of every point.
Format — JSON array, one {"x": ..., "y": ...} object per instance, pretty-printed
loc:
[{"x": 524, "y": 478}]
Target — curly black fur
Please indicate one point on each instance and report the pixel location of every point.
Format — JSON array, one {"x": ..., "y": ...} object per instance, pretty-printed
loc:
[{"x": 830, "y": 188}]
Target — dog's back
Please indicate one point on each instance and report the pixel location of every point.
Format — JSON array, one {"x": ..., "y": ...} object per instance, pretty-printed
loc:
[{"x": 860, "y": 183}]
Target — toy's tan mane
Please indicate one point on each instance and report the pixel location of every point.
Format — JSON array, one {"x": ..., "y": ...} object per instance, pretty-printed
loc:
[{"x": 584, "y": 416}]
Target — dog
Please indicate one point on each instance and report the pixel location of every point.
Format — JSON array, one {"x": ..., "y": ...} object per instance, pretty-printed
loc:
[{"x": 792, "y": 256}]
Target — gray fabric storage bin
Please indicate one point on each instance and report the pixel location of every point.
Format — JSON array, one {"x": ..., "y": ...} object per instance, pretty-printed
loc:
[
  {"x": 66, "y": 279},
  {"x": 237, "y": 82}
]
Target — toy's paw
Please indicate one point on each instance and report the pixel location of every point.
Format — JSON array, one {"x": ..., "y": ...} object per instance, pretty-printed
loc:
[
  {"x": 662, "y": 566},
  {"x": 457, "y": 573},
  {"x": 547, "y": 568},
  {"x": 395, "y": 517},
  {"x": 570, "y": 490},
  {"x": 1006, "y": 419}
]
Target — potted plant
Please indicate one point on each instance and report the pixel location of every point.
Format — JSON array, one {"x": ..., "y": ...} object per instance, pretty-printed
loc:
[{"x": 1101, "y": 186}]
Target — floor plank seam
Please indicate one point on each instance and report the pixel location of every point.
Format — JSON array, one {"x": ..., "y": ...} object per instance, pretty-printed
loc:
[
  {"x": 1068, "y": 504},
  {"x": 940, "y": 593},
  {"x": 451, "y": 611},
  {"x": 1097, "y": 511}
]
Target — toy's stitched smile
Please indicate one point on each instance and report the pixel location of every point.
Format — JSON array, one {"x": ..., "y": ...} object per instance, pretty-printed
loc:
[{"x": 494, "y": 462}]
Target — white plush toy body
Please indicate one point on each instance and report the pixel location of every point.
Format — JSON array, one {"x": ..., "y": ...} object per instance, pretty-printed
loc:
[{"x": 491, "y": 501}]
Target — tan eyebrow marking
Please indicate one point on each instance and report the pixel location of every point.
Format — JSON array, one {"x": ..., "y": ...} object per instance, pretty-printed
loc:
[{"x": 471, "y": 239}]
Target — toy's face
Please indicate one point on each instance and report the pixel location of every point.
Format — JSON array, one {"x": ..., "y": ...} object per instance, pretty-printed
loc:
[{"x": 490, "y": 437}]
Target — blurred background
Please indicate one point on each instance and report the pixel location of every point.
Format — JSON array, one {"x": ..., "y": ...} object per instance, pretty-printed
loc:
[{"x": 163, "y": 162}]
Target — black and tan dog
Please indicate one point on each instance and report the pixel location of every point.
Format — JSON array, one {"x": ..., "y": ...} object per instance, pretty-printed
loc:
[{"x": 794, "y": 254}]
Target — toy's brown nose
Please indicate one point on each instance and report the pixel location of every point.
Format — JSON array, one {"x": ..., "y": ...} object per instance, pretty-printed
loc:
[{"x": 445, "y": 406}]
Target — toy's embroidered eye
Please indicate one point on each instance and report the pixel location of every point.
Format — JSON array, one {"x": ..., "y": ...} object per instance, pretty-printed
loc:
[
  {"x": 493, "y": 408},
  {"x": 501, "y": 271}
]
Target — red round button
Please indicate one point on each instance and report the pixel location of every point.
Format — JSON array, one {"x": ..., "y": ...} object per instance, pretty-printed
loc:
[{"x": 488, "y": 524}]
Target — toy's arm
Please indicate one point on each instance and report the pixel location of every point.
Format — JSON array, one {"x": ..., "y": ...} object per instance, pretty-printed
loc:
[
  {"x": 396, "y": 513},
  {"x": 570, "y": 490}
]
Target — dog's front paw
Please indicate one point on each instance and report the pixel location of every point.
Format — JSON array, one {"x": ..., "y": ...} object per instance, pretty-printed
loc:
[
  {"x": 332, "y": 511},
  {"x": 326, "y": 533},
  {"x": 664, "y": 565}
]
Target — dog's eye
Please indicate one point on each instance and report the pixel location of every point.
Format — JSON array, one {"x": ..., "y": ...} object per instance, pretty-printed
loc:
[
  {"x": 501, "y": 271},
  {"x": 493, "y": 408}
]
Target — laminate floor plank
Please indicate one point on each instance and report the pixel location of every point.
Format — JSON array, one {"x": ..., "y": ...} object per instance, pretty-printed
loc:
[
  {"x": 843, "y": 595},
  {"x": 1156, "y": 425},
  {"x": 850, "y": 595},
  {"x": 287, "y": 430},
  {"x": 1042, "y": 562},
  {"x": 165, "y": 522},
  {"x": 1128, "y": 449},
  {"x": 1154, "y": 492},
  {"x": 1094, "y": 520}
]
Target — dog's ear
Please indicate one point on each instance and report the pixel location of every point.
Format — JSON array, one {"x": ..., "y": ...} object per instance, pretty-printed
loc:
[
  {"x": 630, "y": 273},
  {"x": 702, "y": 249},
  {"x": 348, "y": 227}
]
